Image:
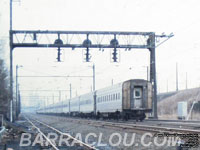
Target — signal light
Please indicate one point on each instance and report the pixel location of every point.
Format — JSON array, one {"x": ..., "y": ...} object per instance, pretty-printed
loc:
[
  {"x": 115, "y": 55},
  {"x": 114, "y": 43},
  {"x": 59, "y": 53},
  {"x": 87, "y": 43},
  {"x": 87, "y": 58},
  {"x": 58, "y": 41}
]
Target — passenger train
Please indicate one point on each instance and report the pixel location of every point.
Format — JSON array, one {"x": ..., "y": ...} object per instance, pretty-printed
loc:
[{"x": 130, "y": 99}]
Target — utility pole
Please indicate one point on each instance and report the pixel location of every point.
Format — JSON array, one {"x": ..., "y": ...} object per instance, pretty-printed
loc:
[
  {"x": 147, "y": 73},
  {"x": 59, "y": 95},
  {"x": 10, "y": 14},
  {"x": 177, "y": 77},
  {"x": 17, "y": 90},
  {"x": 167, "y": 86},
  {"x": 11, "y": 67},
  {"x": 93, "y": 68},
  {"x": 19, "y": 101},
  {"x": 70, "y": 89},
  {"x": 53, "y": 98},
  {"x": 47, "y": 101},
  {"x": 186, "y": 81}
]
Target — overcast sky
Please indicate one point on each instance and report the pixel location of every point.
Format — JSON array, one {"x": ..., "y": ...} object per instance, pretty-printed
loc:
[{"x": 178, "y": 16}]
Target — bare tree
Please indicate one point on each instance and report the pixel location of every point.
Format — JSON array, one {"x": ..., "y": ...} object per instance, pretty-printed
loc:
[{"x": 4, "y": 90}]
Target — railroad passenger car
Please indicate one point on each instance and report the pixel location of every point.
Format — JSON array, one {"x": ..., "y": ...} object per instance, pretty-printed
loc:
[
  {"x": 127, "y": 100},
  {"x": 86, "y": 105}
]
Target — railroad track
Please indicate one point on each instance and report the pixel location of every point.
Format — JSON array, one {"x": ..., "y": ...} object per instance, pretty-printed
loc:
[
  {"x": 38, "y": 127},
  {"x": 180, "y": 121},
  {"x": 135, "y": 127},
  {"x": 186, "y": 125},
  {"x": 125, "y": 127},
  {"x": 131, "y": 127}
]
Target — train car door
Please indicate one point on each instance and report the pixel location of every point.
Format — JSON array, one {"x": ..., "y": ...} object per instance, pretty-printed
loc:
[{"x": 137, "y": 95}]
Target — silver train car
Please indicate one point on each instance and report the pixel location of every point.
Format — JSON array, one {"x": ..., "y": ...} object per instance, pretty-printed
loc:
[{"x": 130, "y": 99}]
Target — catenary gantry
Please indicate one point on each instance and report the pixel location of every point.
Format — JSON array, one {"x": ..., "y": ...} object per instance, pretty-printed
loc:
[{"x": 88, "y": 39}]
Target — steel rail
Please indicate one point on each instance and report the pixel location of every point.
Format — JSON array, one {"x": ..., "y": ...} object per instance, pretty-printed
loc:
[
  {"x": 134, "y": 126},
  {"x": 179, "y": 121},
  {"x": 52, "y": 144},
  {"x": 186, "y": 124},
  {"x": 87, "y": 146}
]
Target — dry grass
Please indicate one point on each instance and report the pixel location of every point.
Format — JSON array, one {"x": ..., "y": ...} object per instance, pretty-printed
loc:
[
  {"x": 195, "y": 116},
  {"x": 167, "y": 108}
]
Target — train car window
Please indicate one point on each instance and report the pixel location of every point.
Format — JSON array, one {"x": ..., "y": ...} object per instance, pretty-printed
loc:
[
  {"x": 113, "y": 96},
  {"x": 138, "y": 93},
  {"x": 116, "y": 96}
]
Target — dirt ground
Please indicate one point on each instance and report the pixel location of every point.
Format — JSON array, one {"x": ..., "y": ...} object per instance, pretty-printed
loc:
[{"x": 105, "y": 138}]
